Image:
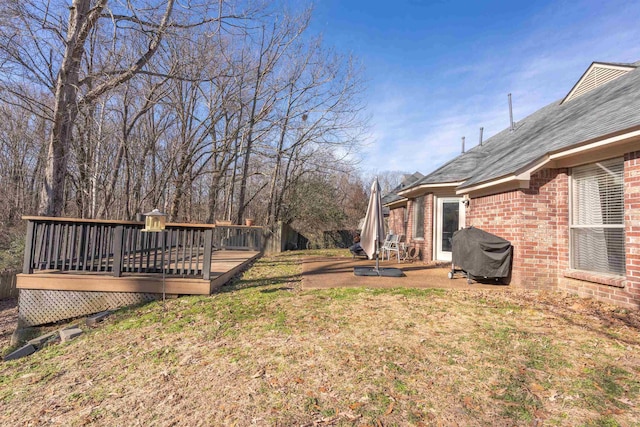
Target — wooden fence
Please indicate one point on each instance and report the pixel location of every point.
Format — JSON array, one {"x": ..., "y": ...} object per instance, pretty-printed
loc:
[
  {"x": 282, "y": 237},
  {"x": 117, "y": 247},
  {"x": 8, "y": 285}
]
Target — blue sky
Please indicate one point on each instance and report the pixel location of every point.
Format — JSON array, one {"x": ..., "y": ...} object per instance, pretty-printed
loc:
[{"x": 439, "y": 70}]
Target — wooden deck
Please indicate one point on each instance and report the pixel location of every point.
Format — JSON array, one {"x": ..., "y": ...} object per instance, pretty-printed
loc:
[
  {"x": 224, "y": 265},
  {"x": 74, "y": 267}
]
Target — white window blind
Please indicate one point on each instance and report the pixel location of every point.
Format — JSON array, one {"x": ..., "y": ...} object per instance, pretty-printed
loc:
[
  {"x": 418, "y": 215},
  {"x": 597, "y": 217}
]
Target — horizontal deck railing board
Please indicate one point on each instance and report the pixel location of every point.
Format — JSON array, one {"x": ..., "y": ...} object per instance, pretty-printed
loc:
[{"x": 121, "y": 247}]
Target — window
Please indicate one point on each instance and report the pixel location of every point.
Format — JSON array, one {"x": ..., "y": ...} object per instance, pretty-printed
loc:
[
  {"x": 597, "y": 217},
  {"x": 418, "y": 218}
]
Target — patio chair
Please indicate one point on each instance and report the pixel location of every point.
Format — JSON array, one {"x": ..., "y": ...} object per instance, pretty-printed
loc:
[
  {"x": 395, "y": 244},
  {"x": 363, "y": 254},
  {"x": 388, "y": 243},
  {"x": 359, "y": 253}
]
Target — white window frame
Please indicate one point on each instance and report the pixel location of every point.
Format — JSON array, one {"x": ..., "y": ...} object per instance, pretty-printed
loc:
[
  {"x": 438, "y": 253},
  {"x": 573, "y": 227}
]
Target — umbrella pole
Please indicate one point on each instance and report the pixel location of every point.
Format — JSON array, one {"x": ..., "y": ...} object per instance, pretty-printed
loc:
[{"x": 377, "y": 257}]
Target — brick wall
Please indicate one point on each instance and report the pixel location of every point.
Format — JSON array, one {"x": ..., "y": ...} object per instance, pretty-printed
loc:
[
  {"x": 623, "y": 291},
  {"x": 396, "y": 220},
  {"x": 536, "y": 221},
  {"x": 630, "y": 296},
  {"x": 423, "y": 243},
  {"x": 532, "y": 220},
  {"x": 497, "y": 214}
]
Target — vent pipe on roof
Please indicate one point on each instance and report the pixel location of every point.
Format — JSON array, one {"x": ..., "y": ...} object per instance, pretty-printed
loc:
[
  {"x": 463, "y": 144},
  {"x": 512, "y": 128},
  {"x": 481, "y": 130}
]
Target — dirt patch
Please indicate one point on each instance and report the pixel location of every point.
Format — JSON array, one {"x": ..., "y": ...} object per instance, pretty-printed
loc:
[{"x": 8, "y": 321}]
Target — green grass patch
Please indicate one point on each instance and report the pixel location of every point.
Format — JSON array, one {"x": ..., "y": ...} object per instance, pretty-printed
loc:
[
  {"x": 338, "y": 294},
  {"x": 279, "y": 323},
  {"x": 603, "y": 387},
  {"x": 519, "y": 404},
  {"x": 409, "y": 292},
  {"x": 605, "y": 421}
]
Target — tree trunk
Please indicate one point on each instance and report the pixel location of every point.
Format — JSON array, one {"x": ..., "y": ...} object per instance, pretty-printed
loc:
[
  {"x": 81, "y": 19},
  {"x": 271, "y": 207},
  {"x": 248, "y": 147}
]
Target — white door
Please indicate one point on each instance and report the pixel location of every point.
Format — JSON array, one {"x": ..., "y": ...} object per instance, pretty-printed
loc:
[{"x": 449, "y": 218}]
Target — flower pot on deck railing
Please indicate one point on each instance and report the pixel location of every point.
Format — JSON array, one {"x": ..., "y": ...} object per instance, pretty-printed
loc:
[{"x": 248, "y": 222}]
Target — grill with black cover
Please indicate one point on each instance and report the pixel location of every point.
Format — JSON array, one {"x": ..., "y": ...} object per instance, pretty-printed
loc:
[{"x": 482, "y": 256}]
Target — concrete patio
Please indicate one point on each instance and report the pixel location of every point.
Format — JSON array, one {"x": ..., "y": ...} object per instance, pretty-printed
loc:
[{"x": 334, "y": 272}]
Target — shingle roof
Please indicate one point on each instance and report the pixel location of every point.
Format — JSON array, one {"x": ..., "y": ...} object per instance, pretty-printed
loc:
[
  {"x": 602, "y": 111},
  {"x": 609, "y": 108},
  {"x": 457, "y": 169},
  {"x": 407, "y": 181}
]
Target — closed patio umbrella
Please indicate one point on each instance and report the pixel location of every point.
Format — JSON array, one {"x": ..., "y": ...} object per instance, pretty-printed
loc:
[
  {"x": 372, "y": 235},
  {"x": 373, "y": 228}
]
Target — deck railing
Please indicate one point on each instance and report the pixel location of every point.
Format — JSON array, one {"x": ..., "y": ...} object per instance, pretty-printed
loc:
[
  {"x": 117, "y": 247},
  {"x": 233, "y": 237}
]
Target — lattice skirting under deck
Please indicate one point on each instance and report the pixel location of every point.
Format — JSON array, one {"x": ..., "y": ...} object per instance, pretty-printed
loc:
[{"x": 38, "y": 307}]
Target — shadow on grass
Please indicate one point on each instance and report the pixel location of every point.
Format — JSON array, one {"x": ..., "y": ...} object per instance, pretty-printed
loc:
[
  {"x": 273, "y": 262},
  {"x": 592, "y": 310},
  {"x": 239, "y": 284},
  {"x": 282, "y": 288}
]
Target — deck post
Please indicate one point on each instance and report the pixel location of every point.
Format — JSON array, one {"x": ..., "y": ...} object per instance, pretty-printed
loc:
[
  {"x": 27, "y": 265},
  {"x": 206, "y": 259},
  {"x": 118, "y": 237}
]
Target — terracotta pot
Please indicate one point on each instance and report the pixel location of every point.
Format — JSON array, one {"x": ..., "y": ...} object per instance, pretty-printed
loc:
[{"x": 248, "y": 222}]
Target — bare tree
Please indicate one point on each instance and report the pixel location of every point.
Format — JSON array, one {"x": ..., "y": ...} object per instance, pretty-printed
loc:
[
  {"x": 274, "y": 43},
  {"x": 37, "y": 32},
  {"x": 205, "y": 113},
  {"x": 21, "y": 160},
  {"x": 321, "y": 112}
]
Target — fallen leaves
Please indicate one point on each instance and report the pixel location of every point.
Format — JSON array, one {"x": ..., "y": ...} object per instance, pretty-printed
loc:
[
  {"x": 259, "y": 373},
  {"x": 390, "y": 408},
  {"x": 355, "y": 406},
  {"x": 470, "y": 404},
  {"x": 536, "y": 388}
]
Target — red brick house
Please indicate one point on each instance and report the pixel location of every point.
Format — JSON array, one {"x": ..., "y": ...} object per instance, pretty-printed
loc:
[
  {"x": 563, "y": 185},
  {"x": 398, "y": 216}
]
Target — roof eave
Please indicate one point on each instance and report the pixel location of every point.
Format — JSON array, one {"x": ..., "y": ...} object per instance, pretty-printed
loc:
[
  {"x": 505, "y": 183},
  {"x": 396, "y": 204},
  {"x": 608, "y": 146},
  {"x": 419, "y": 190}
]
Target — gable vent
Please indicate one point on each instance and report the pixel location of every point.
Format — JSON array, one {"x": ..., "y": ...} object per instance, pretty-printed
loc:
[{"x": 596, "y": 76}]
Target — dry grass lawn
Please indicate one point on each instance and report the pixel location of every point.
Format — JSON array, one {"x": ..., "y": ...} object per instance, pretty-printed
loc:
[{"x": 265, "y": 352}]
